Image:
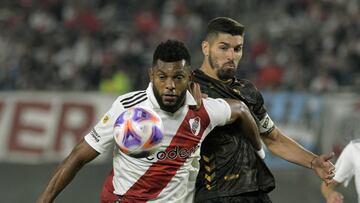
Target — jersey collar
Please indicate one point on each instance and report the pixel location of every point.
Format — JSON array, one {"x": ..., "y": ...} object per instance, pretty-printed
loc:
[{"x": 189, "y": 99}]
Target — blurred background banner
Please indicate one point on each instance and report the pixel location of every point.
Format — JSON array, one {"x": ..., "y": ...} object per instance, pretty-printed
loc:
[
  {"x": 40, "y": 127},
  {"x": 299, "y": 115},
  {"x": 341, "y": 121}
]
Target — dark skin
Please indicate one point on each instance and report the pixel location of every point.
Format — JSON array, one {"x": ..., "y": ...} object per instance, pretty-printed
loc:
[
  {"x": 170, "y": 81},
  {"x": 66, "y": 171}
]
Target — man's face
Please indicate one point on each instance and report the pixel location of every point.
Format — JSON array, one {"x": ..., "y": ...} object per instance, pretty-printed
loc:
[
  {"x": 170, "y": 81},
  {"x": 224, "y": 54}
]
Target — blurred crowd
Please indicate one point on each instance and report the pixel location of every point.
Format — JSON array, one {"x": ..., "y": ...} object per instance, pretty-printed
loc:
[{"x": 107, "y": 45}]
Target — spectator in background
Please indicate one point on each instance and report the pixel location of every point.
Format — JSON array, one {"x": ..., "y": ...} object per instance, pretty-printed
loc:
[
  {"x": 297, "y": 31},
  {"x": 323, "y": 82},
  {"x": 347, "y": 167},
  {"x": 270, "y": 76}
]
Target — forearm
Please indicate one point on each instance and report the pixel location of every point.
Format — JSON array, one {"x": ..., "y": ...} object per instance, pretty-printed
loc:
[
  {"x": 241, "y": 115},
  {"x": 63, "y": 175},
  {"x": 250, "y": 129},
  {"x": 67, "y": 170},
  {"x": 327, "y": 189},
  {"x": 286, "y": 148}
]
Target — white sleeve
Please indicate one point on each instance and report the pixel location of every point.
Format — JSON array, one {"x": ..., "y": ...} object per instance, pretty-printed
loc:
[
  {"x": 344, "y": 168},
  {"x": 101, "y": 136},
  {"x": 219, "y": 111}
]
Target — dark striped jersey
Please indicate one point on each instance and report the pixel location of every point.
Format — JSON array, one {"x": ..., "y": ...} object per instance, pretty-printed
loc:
[{"x": 229, "y": 166}]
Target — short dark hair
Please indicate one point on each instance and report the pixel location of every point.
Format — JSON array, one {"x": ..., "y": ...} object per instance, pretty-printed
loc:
[
  {"x": 224, "y": 25},
  {"x": 171, "y": 51}
]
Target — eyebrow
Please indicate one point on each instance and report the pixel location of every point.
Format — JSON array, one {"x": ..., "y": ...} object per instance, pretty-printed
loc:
[
  {"x": 228, "y": 44},
  {"x": 224, "y": 43},
  {"x": 179, "y": 71},
  {"x": 158, "y": 70}
]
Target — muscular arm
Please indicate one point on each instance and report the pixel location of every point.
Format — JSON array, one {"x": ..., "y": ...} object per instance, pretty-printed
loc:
[
  {"x": 66, "y": 171},
  {"x": 241, "y": 114},
  {"x": 286, "y": 148}
]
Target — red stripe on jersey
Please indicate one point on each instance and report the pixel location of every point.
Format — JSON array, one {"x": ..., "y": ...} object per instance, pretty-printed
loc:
[
  {"x": 159, "y": 174},
  {"x": 107, "y": 194}
]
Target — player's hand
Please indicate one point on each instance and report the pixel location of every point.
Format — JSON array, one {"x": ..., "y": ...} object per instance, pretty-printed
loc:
[
  {"x": 323, "y": 167},
  {"x": 194, "y": 89},
  {"x": 335, "y": 197}
]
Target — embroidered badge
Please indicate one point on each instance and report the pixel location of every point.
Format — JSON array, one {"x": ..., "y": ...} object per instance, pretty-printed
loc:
[{"x": 195, "y": 125}]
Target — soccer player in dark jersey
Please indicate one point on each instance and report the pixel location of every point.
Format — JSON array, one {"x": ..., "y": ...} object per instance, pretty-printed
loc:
[{"x": 230, "y": 169}]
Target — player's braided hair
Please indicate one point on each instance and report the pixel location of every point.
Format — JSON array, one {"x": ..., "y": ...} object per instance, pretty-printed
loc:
[
  {"x": 171, "y": 51},
  {"x": 224, "y": 25}
]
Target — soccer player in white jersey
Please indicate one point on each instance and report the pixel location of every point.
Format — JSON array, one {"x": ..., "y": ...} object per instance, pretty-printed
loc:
[
  {"x": 163, "y": 176},
  {"x": 347, "y": 166}
]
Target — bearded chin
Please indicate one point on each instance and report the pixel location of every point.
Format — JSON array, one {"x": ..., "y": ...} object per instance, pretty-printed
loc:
[
  {"x": 225, "y": 73},
  {"x": 221, "y": 72},
  {"x": 169, "y": 108}
]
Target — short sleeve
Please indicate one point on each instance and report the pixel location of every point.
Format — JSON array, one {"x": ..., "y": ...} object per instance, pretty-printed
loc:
[
  {"x": 344, "y": 168},
  {"x": 255, "y": 101},
  {"x": 253, "y": 98},
  {"x": 219, "y": 111},
  {"x": 101, "y": 136}
]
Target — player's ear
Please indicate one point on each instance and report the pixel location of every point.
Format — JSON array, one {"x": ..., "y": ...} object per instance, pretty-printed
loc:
[{"x": 205, "y": 47}]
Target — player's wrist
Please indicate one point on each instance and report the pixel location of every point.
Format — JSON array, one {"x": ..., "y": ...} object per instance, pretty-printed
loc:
[
  {"x": 334, "y": 196},
  {"x": 312, "y": 162}
]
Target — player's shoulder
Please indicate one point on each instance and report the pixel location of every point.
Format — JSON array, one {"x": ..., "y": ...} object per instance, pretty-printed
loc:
[
  {"x": 352, "y": 145},
  {"x": 211, "y": 100},
  {"x": 247, "y": 84},
  {"x": 215, "y": 103},
  {"x": 218, "y": 109},
  {"x": 132, "y": 98},
  {"x": 249, "y": 91},
  {"x": 355, "y": 142}
]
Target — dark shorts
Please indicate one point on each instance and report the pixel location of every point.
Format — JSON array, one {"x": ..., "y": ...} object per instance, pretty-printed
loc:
[{"x": 251, "y": 197}]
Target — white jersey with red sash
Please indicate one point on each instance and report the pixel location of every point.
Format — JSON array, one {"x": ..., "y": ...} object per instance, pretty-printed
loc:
[{"x": 163, "y": 176}]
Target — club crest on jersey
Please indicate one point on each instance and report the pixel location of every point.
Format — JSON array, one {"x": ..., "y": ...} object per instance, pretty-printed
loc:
[
  {"x": 195, "y": 125},
  {"x": 105, "y": 119}
]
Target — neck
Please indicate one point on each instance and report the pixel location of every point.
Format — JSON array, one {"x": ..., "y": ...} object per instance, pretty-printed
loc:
[{"x": 206, "y": 68}]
